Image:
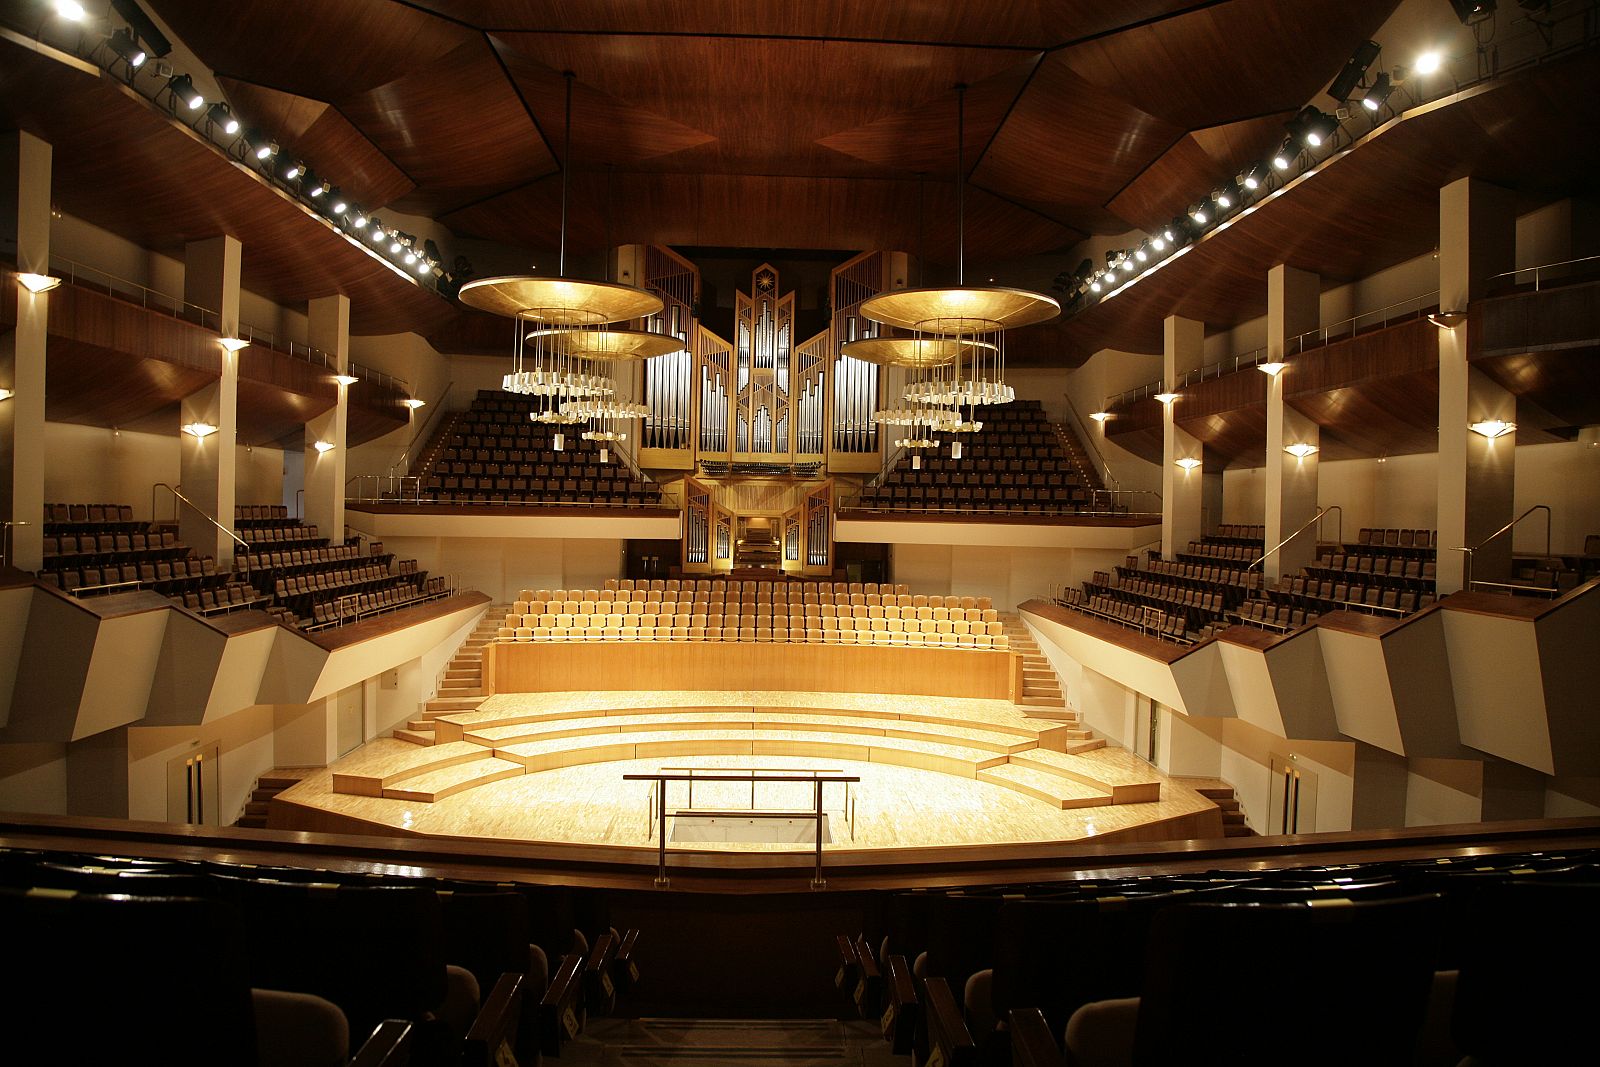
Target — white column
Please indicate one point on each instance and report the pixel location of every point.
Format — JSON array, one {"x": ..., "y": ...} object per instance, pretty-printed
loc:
[
  {"x": 1293, "y": 308},
  {"x": 25, "y": 183},
  {"x": 328, "y": 329},
  {"x": 207, "y": 466},
  {"x": 1182, "y": 495},
  {"x": 1477, "y": 240}
]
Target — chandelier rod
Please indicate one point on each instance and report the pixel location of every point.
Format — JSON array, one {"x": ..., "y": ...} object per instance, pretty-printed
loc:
[
  {"x": 961, "y": 185},
  {"x": 566, "y": 175}
]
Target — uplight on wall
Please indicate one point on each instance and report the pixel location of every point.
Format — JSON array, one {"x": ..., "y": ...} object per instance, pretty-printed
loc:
[
  {"x": 1100, "y": 416},
  {"x": 234, "y": 344},
  {"x": 323, "y": 446},
  {"x": 38, "y": 283},
  {"x": 6, "y": 394},
  {"x": 202, "y": 430},
  {"x": 413, "y": 403},
  {"x": 346, "y": 379},
  {"x": 1301, "y": 449},
  {"x": 1492, "y": 428},
  {"x": 1447, "y": 320},
  {"x": 1166, "y": 398},
  {"x": 1188, "y": 463},
  {"x": 1273, "y": 369}
]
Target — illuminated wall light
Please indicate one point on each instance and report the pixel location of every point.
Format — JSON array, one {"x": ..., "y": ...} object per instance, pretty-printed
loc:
[
  {"x": 1301, "y": 449},
  {"x": 1188, "y": 463},
  {"x": 413, "y": 403},
  {"x": 1447, "y": 320},
  {"x": 1492, "y": 428},
  {"x": 201, "y": 430},
  {"x": 323, "y": 446},
  {"x": 1167, "y": 398},
  {"x": 6, "y": 394},
  {"x": 1272, "y": 367},
  {"x": 1427, "y": 63},
  {"x": 346, "y": 379},
  {"x": 234, "y": 344},
  {"x": 1100, "y": 416},
  {"x": 71, "y": 10},
  {"x": 38, "y": 283}
]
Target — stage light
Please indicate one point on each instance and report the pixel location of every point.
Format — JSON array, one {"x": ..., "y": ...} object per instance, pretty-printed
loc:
[
  {"x": 200, "y": 430},
  {"x": 1301, "y": 449},
  {"x": 377, "y": 229},
  {"x": 423, "y": 266},
  {"x": 346, "y": 379},
  {"x": 1188, "y": 463},
  {"x": 1198, "y": 214},
  {"x": 1127, "y": 264},
  {"x": 1167, "y": 398},
  {"x": 337, "y": 203},
  {"x": 183, "y": 89},
  {"x": 1140, "y": 253},
  {"x": 38, "y": 283},
  {"x": 293, "y": 170},
  {"x": 1470, "y": 11},
  {"x": 1271, "y": 367},
  {"x": 1252, "y": 178},
  {"x": 1492, "y": 428},
  {"x": 220, "y": 114},
  {"x": 1222, "y": 198},
  {"x": 1427, "y": 63},
  {"x": 411, "y": 257},
  {"x": 1317, "y": 126},
  {"x": 1354, "y": 71},
  {"x": 123, "y": 44},
  {"x": 1096, "y": 287},
  {"x": 71, "y": 10},
  {"x": 1285, "y": 154},
  {"x": 260, "y": 145},
  {"x": 1109, "y": 277},
  {"x": 234, "y": 344},
  {"x": 359, "y": 222},
  {"x": 314, "y": 187},
  {"x": 143, "y": 27},
  {"x": 323, "y": 446},
  {"x": 1382, "y": 88},
  {"x": 394, "y": 249},
  {"x": 1100, "y": 416},
  {"x": 1159, "y": 243}
]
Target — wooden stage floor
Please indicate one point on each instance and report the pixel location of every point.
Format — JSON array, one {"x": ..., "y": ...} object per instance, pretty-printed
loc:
[{"x": 942, "y": 779}]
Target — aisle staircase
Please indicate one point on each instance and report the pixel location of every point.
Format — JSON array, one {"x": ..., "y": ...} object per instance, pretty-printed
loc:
[
  {"x": 1223, "y": 796},
  {"x": 1042, "y": 695},
  {"x": 461, "y": 688},
  {"x": 268, "y": 786}
]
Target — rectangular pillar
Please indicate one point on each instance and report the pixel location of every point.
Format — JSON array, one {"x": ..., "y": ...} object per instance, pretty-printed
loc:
[
  {"x": 1182, "y": 491},
  {"x": 328, "y": 329},
  {"x": 25, "y": 163},
  {"x": 207, "y": 468},
  {"x": 1294, "y": 300},
  {"x": 1477, "y": 240}
]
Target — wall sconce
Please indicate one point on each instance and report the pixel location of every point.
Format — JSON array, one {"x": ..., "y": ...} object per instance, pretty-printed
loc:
[
  {"x": 1447, "y": 320},
  {"x": 1492, "y": 428},
  {"x": 1100, "y": 416},
  {"x": 346, "y": 379},
  {"x": 38, "y": 283},
  {"x": 6, "y": 394},
  {"x": 413, "y": 403},
  {"x": 1300, "y": 449},
  {"x": 202, "y": 430},
  {"x": 1271, "y": 368},
  {"x": 1167, "y": 398},
  {"x": 1188, "y": 463},
  {"x": 323, "y": 446},
  {"x": 233, "y": 344}
]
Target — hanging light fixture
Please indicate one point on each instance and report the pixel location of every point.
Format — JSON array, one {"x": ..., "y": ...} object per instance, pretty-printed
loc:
[
  {"x": 564, "y": 359},
  {"x": 972, "y": 319}
]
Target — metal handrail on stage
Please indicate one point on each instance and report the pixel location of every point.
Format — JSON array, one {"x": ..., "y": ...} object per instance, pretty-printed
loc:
[{"x": 816, "y": 778}]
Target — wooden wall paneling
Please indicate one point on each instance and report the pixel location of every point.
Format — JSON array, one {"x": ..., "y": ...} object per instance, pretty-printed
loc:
[
  {"x": 1195, "y": 164},
  {"x": 1567, "y": 316}
]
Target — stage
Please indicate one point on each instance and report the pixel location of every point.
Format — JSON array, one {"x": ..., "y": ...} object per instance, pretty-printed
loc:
[{"x": 941, "y": 780}]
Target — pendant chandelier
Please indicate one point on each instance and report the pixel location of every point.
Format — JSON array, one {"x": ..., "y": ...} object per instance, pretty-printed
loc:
[
  {"x": 971, "y": 321},
  {"x": 568, "y": 348}
]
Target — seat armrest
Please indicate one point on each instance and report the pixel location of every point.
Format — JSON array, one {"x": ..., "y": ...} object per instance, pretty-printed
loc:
[
  {"x": 1031, "y": 1043},
  {"x": 389, "y": 1046}
]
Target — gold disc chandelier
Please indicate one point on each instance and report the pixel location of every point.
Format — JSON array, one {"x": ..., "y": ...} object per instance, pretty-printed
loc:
[
  {"x": 956, "y": 335},
  {"x": 569, "y": 358}
]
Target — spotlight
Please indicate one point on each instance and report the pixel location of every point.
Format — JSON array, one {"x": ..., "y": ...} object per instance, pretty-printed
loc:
[
  {"x": 423, "y": 266},
  {"x": 1252, "y": 178},
  {"x": 1198, "y": 214},
  {"x": 293, "y": 170},
  {"x": 377, "y": 229},
  {"x": 413, "y": 403},
  {"x": 1140, "y": 253},
  {"x": 1285, "y": 154},
  {"x": 1427, "y": 63},
  {"x": 1354, "y": 71},
  {"x": 1096, "y": 287},
  {"x": 1374, "y": 98},
  {"x": 1109, "y": 277},
  {"x": 1222, "y": 198},
  {"x": 337, "y": 203},
  {"x": 182, "y": 87},
  {"x": 315, "y": 187},
  {"x": 143, "y": 27},
  {"x": 220, "y": 114},
  {"x": 1312, "y": 126},
  {"x": 394, "y": 249},
  {"x": 1158, "y": 242},
  {"x": 359, "y": 221},
  {"x": 411, "y": 257},
  {"x": 123, "y": 44},
  {"x": 1470, "y": 11},
  {"x": 1127, "y": 264},
  {"x": 71, "y": 10},
  {"x": 260, "y": 145}
]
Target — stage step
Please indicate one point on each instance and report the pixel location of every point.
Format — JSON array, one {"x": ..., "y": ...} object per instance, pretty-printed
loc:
[
  {"x": 385, "y": 762},
  {"x": 1123, "y": 785},
  {"x": 268, "y": 786},
  {"x": 1054, "y": 790},
  {"x": 416, "y": 737},
  {"x": 436, "y": 785},
  {"x": 1075, "y": 748},
  {"x": 446, "y": 705},
  {"x": 1032, "y": 701}
]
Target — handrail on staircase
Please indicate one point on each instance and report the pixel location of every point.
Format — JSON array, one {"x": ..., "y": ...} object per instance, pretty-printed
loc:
[
  {"x": 1315, "y": 520},
  {"x": 1467, "y": 577},
  {"x": 178, "y": 497}
]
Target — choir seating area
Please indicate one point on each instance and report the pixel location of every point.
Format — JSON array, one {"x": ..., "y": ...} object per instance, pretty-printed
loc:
[
  {"x": 1016, "y": 463},
  {"x": 1434, "y": 961},
  {"x": 302, "y": 965},
  {"x": 95, "y": 549},
  {"x": 493, "y": 454},
  {"x": 820, "y": 612}
]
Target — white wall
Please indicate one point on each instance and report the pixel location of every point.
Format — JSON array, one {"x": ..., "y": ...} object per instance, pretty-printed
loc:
[
  {"x": 1440, "y": 791},
  {"x": 33, "y": 777},
  {"x": 501, "y": 567},
  {"x": 1103, "y": 375},
  {"x": 94, "y": 465},
  {"x": 1008, "y": 576},
  {"x": 246, "y": 743}
]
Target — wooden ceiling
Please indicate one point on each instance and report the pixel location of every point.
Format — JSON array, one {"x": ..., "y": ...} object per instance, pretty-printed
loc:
[{"x": 722, "y": 122}]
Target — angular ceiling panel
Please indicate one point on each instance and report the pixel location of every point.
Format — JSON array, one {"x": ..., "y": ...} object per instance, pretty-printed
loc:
[{"x": 1198, "y": 162}]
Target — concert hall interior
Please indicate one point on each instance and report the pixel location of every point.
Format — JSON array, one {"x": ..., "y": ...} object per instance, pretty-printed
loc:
[{"x": 713, "y": 532}]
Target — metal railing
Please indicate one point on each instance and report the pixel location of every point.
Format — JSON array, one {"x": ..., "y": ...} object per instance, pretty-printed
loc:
[
  {"x": 96, "y": 280},
  {"x": 1087, "y": 440},
  {"x": 1467, "y": 581},
  {"x": 262, "y": 338},
  {"x": 178, "y": 498},
  {"x": 384, "y": 489},
  {"x": 1400, "y": 311},
  {"x": 1224, "y": 366},
  {"x": 1538, "y": 271},
  {"x": 1315, "y": 520},
  {"x": 816, "y": 778},
  {"x": 347, "y": 609},
  {"x": 5, "y": 544}
]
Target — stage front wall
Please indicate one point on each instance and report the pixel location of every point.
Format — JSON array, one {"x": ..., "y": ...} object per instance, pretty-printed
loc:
[{"x": 581, "y": 666}]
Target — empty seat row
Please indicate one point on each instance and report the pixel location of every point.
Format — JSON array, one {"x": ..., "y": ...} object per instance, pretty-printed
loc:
[{"x": 775, "y": 634}]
